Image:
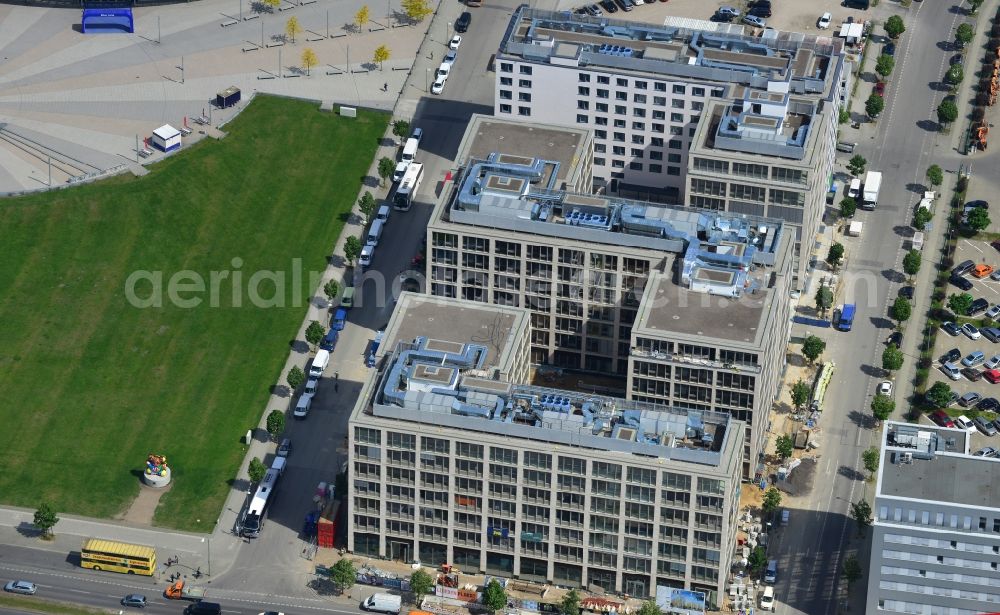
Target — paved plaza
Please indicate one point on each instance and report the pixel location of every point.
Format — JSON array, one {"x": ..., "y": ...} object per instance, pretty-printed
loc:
[{"x": 82, "y": 100}]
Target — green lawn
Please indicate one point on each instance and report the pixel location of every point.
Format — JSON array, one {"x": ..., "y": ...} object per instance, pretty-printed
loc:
[{"x": 90, "y": 383}]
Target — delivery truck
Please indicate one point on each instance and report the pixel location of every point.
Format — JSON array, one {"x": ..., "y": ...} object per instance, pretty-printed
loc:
[
  {"x": 382, "y": 603},
  {"x": 873, "y": 183}
]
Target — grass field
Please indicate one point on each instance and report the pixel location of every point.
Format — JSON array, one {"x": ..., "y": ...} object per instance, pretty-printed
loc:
[{"x": 92, "y": 384}]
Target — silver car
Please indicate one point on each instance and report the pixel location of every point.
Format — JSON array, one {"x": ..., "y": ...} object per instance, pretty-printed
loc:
[
  {"x": 20, "y": 587},
  {"x": 755, "y": 21}
]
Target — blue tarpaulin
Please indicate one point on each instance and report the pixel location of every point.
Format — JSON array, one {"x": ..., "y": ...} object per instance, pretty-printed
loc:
[{"x": 107, "y": 20}]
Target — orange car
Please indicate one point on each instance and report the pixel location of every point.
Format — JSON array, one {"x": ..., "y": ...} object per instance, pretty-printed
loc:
[{"x": 981, "y": 270}]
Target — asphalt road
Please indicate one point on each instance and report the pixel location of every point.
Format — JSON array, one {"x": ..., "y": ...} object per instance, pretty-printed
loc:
[{"x": 904, "y": 143}]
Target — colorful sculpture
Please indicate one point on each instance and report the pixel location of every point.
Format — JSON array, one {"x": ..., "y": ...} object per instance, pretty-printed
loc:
[{"x": 157, "y": 473}]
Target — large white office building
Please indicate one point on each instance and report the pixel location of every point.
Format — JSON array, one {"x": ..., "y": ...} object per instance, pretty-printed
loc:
[{"x": 936, "y": 543}]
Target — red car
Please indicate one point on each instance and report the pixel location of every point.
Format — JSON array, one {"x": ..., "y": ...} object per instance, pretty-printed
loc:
[
  {"x": 941, "y": 418},
  {"x": 993, "y": 375},
  {"x": 880, "y": 88}
]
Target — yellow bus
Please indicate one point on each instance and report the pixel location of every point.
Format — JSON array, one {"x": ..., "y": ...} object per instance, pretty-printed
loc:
[{"x": 118, "y": 557}]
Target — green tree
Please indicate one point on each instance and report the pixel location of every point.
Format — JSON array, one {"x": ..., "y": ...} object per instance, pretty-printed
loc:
[
  {"x": 275, "y": 422},
  {"x": 800, "y": 393},
  {"x": 494, "y": 597},
  {"x": 315, "y": 333},
  {"x": 959, "y": 304},
  {"x": 367, "y": 205},
  {"x": 757, "y": 559},
  {"x": 292, "y": 28},
  {"x": 45, "y": 519},
  {"x": 955, "y": 75},
  {"x": 352, "y": 249},
  {"x": 772, "y": 500},
  {"x": 852, "y": 570},
  {"x": 884, "y": 65},
  {"x": 935, "y": 175},
  {"x": 824, "y": 298},
  {"x": 921, "y": 217},
  {"x": 331, "y": 289},
  {"x": 843, "y": 116},
  {"x": 421, "y": 583},
  {"x": 309, "y": 60},
  {"x": 295, "y": 377},
  {"x": 947, "y": 111},
  {"x": 784, "y": 446},
  {"x": 256, "y": 470},
  {"x": 813, "y": 347},
  {"x": 401, "y": 128},
  {"x": 901, "y": 309},
  {"x": 978, "y": 219},
  {"x": 272, "y": 4},
  {"x": 882, "y": 407},
  {"x": 382, "y": 54},
  {"x": 894, "y": 26},
  {"x": 939, "y": 394},
  {"x": 386, "y": 166},
  {"x": 835, "y": 255},
  {"x": 911, "y": 263},
  {"x": 362, "y": 17},
  {"x": 856, "y": 165},
  {"x": 649, "y": 608},
  {"x": 974, "y": 5},
  {"x": 861, "y": 512},
  {"x": 570, "y": 604},
  {"x": 847, "y": 207},
  {"x": 874, "y": 105},
  {"x": 892, "y": 358},
  {"x": 871, "y": 458},
  {"x": 343, "y": 574},
  {"x": 964, "y": 34},
  {"x": 417, "y": 10}
]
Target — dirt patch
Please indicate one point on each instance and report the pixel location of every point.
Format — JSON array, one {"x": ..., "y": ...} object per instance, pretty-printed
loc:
[{"x": 142, "y": 508}]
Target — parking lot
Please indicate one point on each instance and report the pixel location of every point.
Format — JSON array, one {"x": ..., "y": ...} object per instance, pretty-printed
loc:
[
  {"x": 798, "y": 16},
  {"x": 980, "y": 252}
]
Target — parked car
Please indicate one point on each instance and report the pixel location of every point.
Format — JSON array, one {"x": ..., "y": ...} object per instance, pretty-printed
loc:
[
  {"x": 969, "y": 399},
  {"x": 609, "y": 6},
  {"x": 895, "y": 339},
  {"x": 963, "y": 422},
  {"x": 884, "y": 388},
  {"x": 889, "y": 49},
  {"x": 906, "y": 292},
  {"x": 136, "y": 600},
  {"x": 995, "y": 276},
  {"x": 438, "y": 86},
  {"x": 20, "y": 587},
  {"x": 992, "y": 376},
  {"x": 951, "y": 356},
  {"x": 963, "y": 268},
  {"x": 449, "y": 58},
  {"x": 971, "y": 331},
  {"x": 824, "y": 21},
  {"x": 312, "y": 383},
  {"x": 991, "y": 333},
  {"x": 941, "y": 418},
  {"x": 463, "y": 22},
  {"x": 727, "y": 11},
  {"x": 972, "y": 374},
  {"x": 993, "y": 312},
  {"x": 986, "y": 451},
  {"x": 982, "y": 270},
  {"x": 988, "y": 404},
  {"x": 951, "y": 328},
  {"x": 974, "y": 358},
  {"x": 760, "y": 10},
  {"x": 880, "y": 88},
  {"x": 985, "y": 427},
  {"x": 456, "y": 42},
  {"x": 951, "y": 370},
  {"x": 285, "y": 448},
  {"x": 960, "y": 282},
  {"x": 753, "y": 20},
  {"x": 996, "y": 423},
  {"x": 977, "y": 306},
  {"x": 993, "y": 362}
]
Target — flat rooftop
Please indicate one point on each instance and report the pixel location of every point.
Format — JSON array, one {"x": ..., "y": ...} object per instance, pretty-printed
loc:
[
  {"x": 925, "y": 462},
  {"x": 486, "y": 135},
  {"x": 674, "y": 308},
  {"x": 684, "y": 50},
  {"x": 437, "y": 318}
]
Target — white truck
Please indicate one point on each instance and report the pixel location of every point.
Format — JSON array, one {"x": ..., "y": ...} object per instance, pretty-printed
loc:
[{"x": 873, "y": 182}]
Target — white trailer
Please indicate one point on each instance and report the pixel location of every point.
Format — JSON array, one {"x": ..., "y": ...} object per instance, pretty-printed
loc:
[
  {"x": 873, "y": 182},
  {"x": 917, "y": 241},
  {"x": 854, "y": 230}
]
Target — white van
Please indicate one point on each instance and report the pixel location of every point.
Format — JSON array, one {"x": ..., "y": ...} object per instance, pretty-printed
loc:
[
  {"x": 855, "y": 188},
  {"x": 365, "y": 258},
  {"x": 400, "y": 171},
  {"x": 383, "y": 213},
  {"x": 444, "y": 70},
  {"x": 302, "y": 407},
  {"x": 767, "y": 599},
  {"x": 410, "y": 150},
  {"x": 375, "y": 232},
  {"x": 319, "y": 363},
  {"x": 383, "y": 603}
]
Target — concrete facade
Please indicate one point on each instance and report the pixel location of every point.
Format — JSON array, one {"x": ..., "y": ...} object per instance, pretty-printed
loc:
[
  {"x": 937, "y": 525},
  {"x": 452, "y": 462},
  {"x": 645, "y": 90}
]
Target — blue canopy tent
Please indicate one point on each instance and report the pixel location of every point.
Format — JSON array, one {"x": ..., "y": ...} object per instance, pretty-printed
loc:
[{"x": 107, "y": 20}]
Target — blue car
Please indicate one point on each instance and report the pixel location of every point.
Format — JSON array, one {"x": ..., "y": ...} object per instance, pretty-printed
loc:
[
  {"x": 339, "y": 319},
  {"x": 330, "y": 340}
]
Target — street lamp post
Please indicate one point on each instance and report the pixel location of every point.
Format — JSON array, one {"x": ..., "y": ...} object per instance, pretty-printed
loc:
[{"x": 427, "y": 87}]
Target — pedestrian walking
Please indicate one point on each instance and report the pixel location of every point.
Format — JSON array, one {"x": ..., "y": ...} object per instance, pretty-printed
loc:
[{"x": 385, "y": 87}]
